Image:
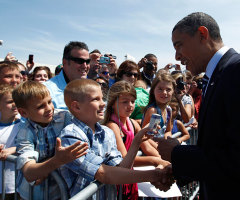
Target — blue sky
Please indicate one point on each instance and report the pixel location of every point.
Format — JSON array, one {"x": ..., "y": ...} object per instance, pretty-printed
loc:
[{"x": 136, "y": 27}]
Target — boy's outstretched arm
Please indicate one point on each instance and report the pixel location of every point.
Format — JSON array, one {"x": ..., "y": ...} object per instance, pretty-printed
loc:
[
  {"x": 33, "y": 171},
  {"x": 117, "y": 175}
]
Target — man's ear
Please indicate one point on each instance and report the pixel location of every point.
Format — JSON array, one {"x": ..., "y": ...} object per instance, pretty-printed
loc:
[
  {"x": 23, "y": 112},
  {"x": 75, "y": 107},
  {"x": 204, "y": 33}
]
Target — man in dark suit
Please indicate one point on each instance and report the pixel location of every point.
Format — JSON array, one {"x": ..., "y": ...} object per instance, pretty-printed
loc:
[{"x": 215, "y": 160}]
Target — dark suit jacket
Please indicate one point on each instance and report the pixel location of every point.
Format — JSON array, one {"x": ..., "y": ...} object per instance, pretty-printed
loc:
[{"x": 215, "y": 160}]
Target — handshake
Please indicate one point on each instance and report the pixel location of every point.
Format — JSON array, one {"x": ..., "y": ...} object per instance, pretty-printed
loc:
[{"x": 165, "y": 147}]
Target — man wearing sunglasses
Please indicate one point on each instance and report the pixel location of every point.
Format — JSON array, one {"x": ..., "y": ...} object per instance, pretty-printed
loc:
[{"x": 76, "y": 64}]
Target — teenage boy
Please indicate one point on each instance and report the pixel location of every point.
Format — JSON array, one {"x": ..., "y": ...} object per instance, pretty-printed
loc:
[
  {"x": 84, "y": 100},
  {"x": 39, "y": 149},
  {"x": 9, "y": 73},
  {"x": 9, "y": 126}
]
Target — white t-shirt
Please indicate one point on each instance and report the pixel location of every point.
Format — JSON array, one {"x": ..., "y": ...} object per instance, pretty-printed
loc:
[{"x": 8, "y": 133}]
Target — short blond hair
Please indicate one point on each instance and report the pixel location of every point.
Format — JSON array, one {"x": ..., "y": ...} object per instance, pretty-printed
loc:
[
  {"x": 77, "y": 90},
  {"x": 28, "y": 90},
  {"x": 5, "y": 89},
  {"x": 10, "y": 65}
]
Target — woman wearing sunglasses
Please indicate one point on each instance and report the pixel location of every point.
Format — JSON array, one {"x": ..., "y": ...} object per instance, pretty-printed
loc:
[{"x": 128, "y": 71}]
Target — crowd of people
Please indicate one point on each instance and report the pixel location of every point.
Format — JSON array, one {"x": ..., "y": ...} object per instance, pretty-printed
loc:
[{"x": 89, "y": 119}]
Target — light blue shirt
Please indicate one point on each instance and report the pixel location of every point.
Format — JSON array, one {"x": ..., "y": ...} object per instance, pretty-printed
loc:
[
  {"x": 38, "y": 143},
  {"x": 56, "y": 86},
  {"x": 213, "y": 63},
  {"x": 102, "y": 150}
]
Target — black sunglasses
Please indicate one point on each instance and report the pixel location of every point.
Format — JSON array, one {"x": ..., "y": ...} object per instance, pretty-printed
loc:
[
  {"x": 105, "y": 73},
  {"x": 129, "y": 74},
  {"x": 24, "y": 72},
  {"x": 79, "y": 60},
  {"x": 102, "y": 84}
]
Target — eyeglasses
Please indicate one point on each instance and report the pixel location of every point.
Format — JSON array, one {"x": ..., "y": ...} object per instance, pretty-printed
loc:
[
  {"x": 129, "y": 74},
  {"x": 79, "y": 60},
  {"x": 114, "y": 74},
  {"x": 105, "y": 73},
  {"x": 24, "y": 72}
]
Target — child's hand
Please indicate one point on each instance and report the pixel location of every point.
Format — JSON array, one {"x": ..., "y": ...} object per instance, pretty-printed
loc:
[
  {"x": 4, "y": 153},
  {"x": 65, "y": 155}
]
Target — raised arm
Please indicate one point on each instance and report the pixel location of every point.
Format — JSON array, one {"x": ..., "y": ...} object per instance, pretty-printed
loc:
[{"x": 33, "y": 171}]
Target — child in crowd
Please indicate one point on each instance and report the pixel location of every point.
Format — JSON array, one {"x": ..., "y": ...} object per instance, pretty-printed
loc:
[
  {"x": 160, "y": 95},
  {"x": 103, "y": 161},
  {"x": 120, "y": 105},
  {"x": 9, "y": 73},
  {"x": 177, "y": 125},
  {"x": 39, "y": 149},
  {"x": 9, "y": 125}
]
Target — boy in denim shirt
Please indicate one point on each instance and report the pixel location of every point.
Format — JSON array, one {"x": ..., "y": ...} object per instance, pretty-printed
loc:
[
  {"x": 39, "y": 149},
  {"x": 103, "y": 161}
]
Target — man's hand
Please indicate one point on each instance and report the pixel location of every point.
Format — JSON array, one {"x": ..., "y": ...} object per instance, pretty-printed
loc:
[
  {"x": 112, "y": 66},
  {"x": 10, "y": 57},
  {"x": 165, "y": 180},
  {"x": 29, "y": 65},
  {"x": 165, "y": 147},
  {"x": 65, "y": 155}
]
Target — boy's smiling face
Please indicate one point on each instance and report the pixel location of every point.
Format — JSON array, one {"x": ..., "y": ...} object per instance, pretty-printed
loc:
[
  {"x": 7, "y": 107},
  {"x": 39, "y": 110},
  {"x": 91, "y": 110}
]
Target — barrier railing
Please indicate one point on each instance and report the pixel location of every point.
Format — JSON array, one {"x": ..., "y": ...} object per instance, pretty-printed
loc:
[
  {"x": 188, "y": 192},
  {"x": 59, "y": 180}
]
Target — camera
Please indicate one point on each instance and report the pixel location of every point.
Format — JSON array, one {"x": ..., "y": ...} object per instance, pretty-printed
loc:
[
  {"x": 180, "y": 83},
  {"x": 199, "y": 84},
  {"x": 30, "y": 58},
  {"x": 104, "y": 60},
  {"x": 149, "y": 65}
]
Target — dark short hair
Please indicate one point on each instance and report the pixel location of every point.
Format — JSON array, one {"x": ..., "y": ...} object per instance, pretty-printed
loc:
[
  {"x": 150, "y": 55},
  {"x": 95, "y": 51},
  {"x": 192, "y": 22},
  {"x": 73, "y": 45}
]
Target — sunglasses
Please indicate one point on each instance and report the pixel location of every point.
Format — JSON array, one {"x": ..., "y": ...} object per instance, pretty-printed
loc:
[
  {"x": 79, "y": 60},
  {"x": 129, "y": 74},
  {"x": 24, "y": 72},
  {"x": 102, "y": 84},
  {"x": 105, "y": 73}
]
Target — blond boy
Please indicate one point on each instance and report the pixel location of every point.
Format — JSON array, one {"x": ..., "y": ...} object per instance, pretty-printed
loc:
[
  {"x": 9, "y": 73},
  {"x": 9, "y": 126},
  {"x": 39, "y": 149},
  {"x": 83, "y": 97}
]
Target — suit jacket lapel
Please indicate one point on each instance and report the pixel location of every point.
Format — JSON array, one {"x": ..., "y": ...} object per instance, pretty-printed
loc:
[{"x": 210, "y": 89}]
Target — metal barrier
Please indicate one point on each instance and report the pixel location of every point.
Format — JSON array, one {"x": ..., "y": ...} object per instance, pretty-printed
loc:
[
  {"x": 188, "y": 192},
  {"x": 59, "y": 180}
]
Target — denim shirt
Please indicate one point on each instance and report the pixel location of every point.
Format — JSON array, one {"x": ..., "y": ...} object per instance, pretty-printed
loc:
[
  {"x": 56, "y": 86},
  {"x": 102, "y": 150},
  {"x": 38, "y": 143}
]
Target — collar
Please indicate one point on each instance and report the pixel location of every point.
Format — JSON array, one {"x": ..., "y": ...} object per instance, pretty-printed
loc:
[
  {"x": 10, "y": 123},
  {"x": 214, "y": 61},
  {"x": 65, "y": 76},
  {"x": 86, "y": 129}
]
